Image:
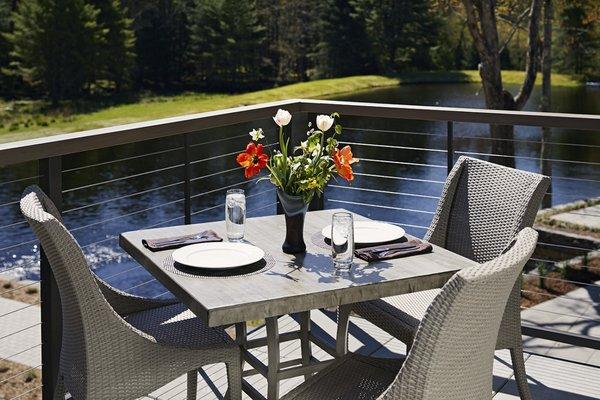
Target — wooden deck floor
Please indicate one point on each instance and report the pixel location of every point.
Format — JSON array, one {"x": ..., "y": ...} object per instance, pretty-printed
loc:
[{"x": 550, "y": 379}]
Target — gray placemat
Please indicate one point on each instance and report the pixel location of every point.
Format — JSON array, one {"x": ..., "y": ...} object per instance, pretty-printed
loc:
[{"x": 263, "y": 265}]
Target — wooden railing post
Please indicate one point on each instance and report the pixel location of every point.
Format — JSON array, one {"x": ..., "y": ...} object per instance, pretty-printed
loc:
[
  {"x": 450, "y": 145},
  {"x": 187, "y": 191},
  {"x": 50, "y": 170}
]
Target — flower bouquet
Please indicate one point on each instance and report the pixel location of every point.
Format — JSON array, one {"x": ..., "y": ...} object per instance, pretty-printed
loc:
[{"x": 301, "y": 173}]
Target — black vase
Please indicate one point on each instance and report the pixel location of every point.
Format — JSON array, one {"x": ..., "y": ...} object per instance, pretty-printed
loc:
[{"x": 295, "y": 209}]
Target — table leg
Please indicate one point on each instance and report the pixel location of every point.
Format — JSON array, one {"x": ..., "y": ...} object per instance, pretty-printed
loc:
[
  {"x": 273, "y": 354},
  {"x": 305, "y": 339},
  {"x": 341, "y": 343},
  {"x": 241, "y": 337}
]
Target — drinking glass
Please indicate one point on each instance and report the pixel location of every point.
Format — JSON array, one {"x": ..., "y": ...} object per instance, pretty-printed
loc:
[
  {"x": 342, "y": 240},
  {"x": 235, "y": 214}
]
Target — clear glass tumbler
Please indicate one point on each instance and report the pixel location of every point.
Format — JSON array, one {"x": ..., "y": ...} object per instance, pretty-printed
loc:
[
  {"x": 235, "y": 214},
  {"x": 342, "y": 240}
]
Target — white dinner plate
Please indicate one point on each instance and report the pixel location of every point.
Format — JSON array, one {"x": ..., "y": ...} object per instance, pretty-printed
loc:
[
  {"x": 371, "y": 232},
  {"x": 218, "y": 255}
]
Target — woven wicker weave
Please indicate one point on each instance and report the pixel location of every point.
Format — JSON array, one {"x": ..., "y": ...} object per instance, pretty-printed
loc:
[
  {"x": 117, "y": 346},
  {"x": 482, "y": 207},
  {"x": 453, "y": 351}
]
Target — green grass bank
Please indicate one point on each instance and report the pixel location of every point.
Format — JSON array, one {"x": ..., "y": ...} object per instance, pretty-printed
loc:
[{"x": 29, "y": 119}]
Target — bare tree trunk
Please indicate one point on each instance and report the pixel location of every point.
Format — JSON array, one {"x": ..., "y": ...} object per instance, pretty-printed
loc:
[
  {"x": 546, "y": 166},
  {"x": 481, "y": 21}
]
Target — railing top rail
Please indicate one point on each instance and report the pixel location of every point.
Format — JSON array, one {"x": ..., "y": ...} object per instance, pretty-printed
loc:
[
  {"x": 33, "y": 149},
  {"x": 455, "y": 114}
]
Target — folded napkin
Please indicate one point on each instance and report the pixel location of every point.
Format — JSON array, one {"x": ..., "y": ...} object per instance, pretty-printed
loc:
[
  {"x": 393, "y": 250},
  {"x": 180, "y": 241}
]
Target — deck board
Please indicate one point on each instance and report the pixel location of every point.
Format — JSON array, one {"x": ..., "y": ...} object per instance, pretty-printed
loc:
[{"x": 550, "y": 378}]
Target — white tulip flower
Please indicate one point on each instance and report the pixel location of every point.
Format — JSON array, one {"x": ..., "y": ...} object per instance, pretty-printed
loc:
[
  {"x": 282, "y": 118},
  {"x": 256, "y": 134},
  {"x": 324, "y": 122}
]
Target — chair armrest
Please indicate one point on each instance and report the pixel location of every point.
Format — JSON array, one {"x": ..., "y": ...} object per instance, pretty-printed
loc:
[{"x": 124, "y": 303}]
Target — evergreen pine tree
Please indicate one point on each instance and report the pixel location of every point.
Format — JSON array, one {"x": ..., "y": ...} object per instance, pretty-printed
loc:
[
  {"x": 6, "y": 80},
  {"x": 343, "y": 47},
  {"x": 578, "y": 49},
  {"x": 116, "y": 58},
  {"x": 402, "y": 32},
  {"x": 298, "y": 22},
  {"x": 162, "y": 40},
  {"x": 228, "y": 44},
  {"x": 55, "y": 45}
]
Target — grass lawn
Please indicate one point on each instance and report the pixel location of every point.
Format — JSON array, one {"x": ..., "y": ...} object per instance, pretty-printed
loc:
[{"x": 24, "y": 120}]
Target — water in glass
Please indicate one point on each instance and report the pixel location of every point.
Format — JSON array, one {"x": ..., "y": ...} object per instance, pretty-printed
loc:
[
  {"x": 342, "y": 240},
  {"x": 235, "y": 214}
]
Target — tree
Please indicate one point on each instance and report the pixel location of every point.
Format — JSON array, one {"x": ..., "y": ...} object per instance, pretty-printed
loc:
[
  {"x": 402, "y": 32},
  {"x": 227, "y": 44},
  {"x": 579, "y": 37},
  {"x": 482, "y": 22},
  {"x": 297, "y": 38},
  {"x": 162, "y": 42},
  {"x": 6, "y": 78},
  {"x": 56, "y": 45},
  {"x": 116, "y": 58},
  {"x": 546, "y": 103},
  {"x": 343, "y": 46}
]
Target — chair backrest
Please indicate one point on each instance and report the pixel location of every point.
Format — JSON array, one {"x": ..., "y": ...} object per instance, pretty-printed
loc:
[
  {"x": 452, "y": 355},
  {"x": 483, "y": 206},
  {"x": 85, "y": 312}
]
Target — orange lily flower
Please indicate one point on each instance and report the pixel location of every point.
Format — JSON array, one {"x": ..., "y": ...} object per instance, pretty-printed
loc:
[
  {"x": 253, "y": 159},
  {"x": 343, "y": 160}
]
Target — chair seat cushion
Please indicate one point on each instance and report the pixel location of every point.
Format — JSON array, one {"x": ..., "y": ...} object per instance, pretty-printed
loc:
[
  {"x": 176, "y": 325},
  {"x": 353, "y": 377}
]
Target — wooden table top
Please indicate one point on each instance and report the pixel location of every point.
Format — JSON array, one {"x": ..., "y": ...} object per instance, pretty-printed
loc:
[{"x": 295, "y": 283}]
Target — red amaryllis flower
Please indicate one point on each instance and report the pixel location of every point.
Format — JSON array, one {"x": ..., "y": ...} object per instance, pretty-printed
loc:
[
  {"x": 343, "y": 160},
  {"x": 253, "y": 159}
]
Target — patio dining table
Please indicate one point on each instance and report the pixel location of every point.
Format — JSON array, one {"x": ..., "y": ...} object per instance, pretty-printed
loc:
[{"x": 286, "y": 284}]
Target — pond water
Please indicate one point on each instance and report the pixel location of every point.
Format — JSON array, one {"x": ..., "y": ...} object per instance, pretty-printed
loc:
[{"x": 395, "y": 181}]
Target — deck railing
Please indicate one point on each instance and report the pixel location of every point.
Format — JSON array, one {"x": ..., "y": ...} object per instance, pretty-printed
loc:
[{"x": 175, "y": 170}]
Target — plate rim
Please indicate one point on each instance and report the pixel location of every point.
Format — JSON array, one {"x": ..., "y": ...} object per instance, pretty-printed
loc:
[
  {"x": 216, "y": 244},
  {"x": 327, "y": 228}
]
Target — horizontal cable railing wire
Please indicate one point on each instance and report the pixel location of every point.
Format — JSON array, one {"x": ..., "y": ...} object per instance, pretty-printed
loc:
[
  {"x": 20, "y": 309},
  {"x": 562, "y": 314},
  {"x": 472, "y": 153},
  {"x": 29, "y": 178},
  {"x": 381, "y": 206},
  {"x": 27, "y": 392},
  {"x": 19, "y": 374},
  {"x": 20, "y": 352},
  {"x": 19, "y": 331},
  {"x": 127, "y": 196},
  {"x": 565, "y": 297},
  {"x": 459, "y": 137},
  {"x": 118, "y": 217},
  {"x": 22, "y": 287},
  {"x": 402, "y": 163},
  {"x": 226, "y": 154},
  {"x": 389, "y": 146},
  {"x": 368, "y": 130},
  {"x": 154, "y": 171},
  {"x": 383, "y": 191},
  {"x": 549, "y": 278},
  {"x": 398, "y": 178},
  {"x": 154, "y": 153}
]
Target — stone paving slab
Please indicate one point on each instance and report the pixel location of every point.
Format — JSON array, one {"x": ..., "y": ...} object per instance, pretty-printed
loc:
[
  {"x": 588, "y": 217},
  {"x": 17, "y": 316}
]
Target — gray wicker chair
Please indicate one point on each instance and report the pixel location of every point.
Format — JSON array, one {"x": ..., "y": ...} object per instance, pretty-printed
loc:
[
  {"x": 483, "y": 206},
  {"x": 115, "y": 345},
  {"x": 453, "y": 351}
]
